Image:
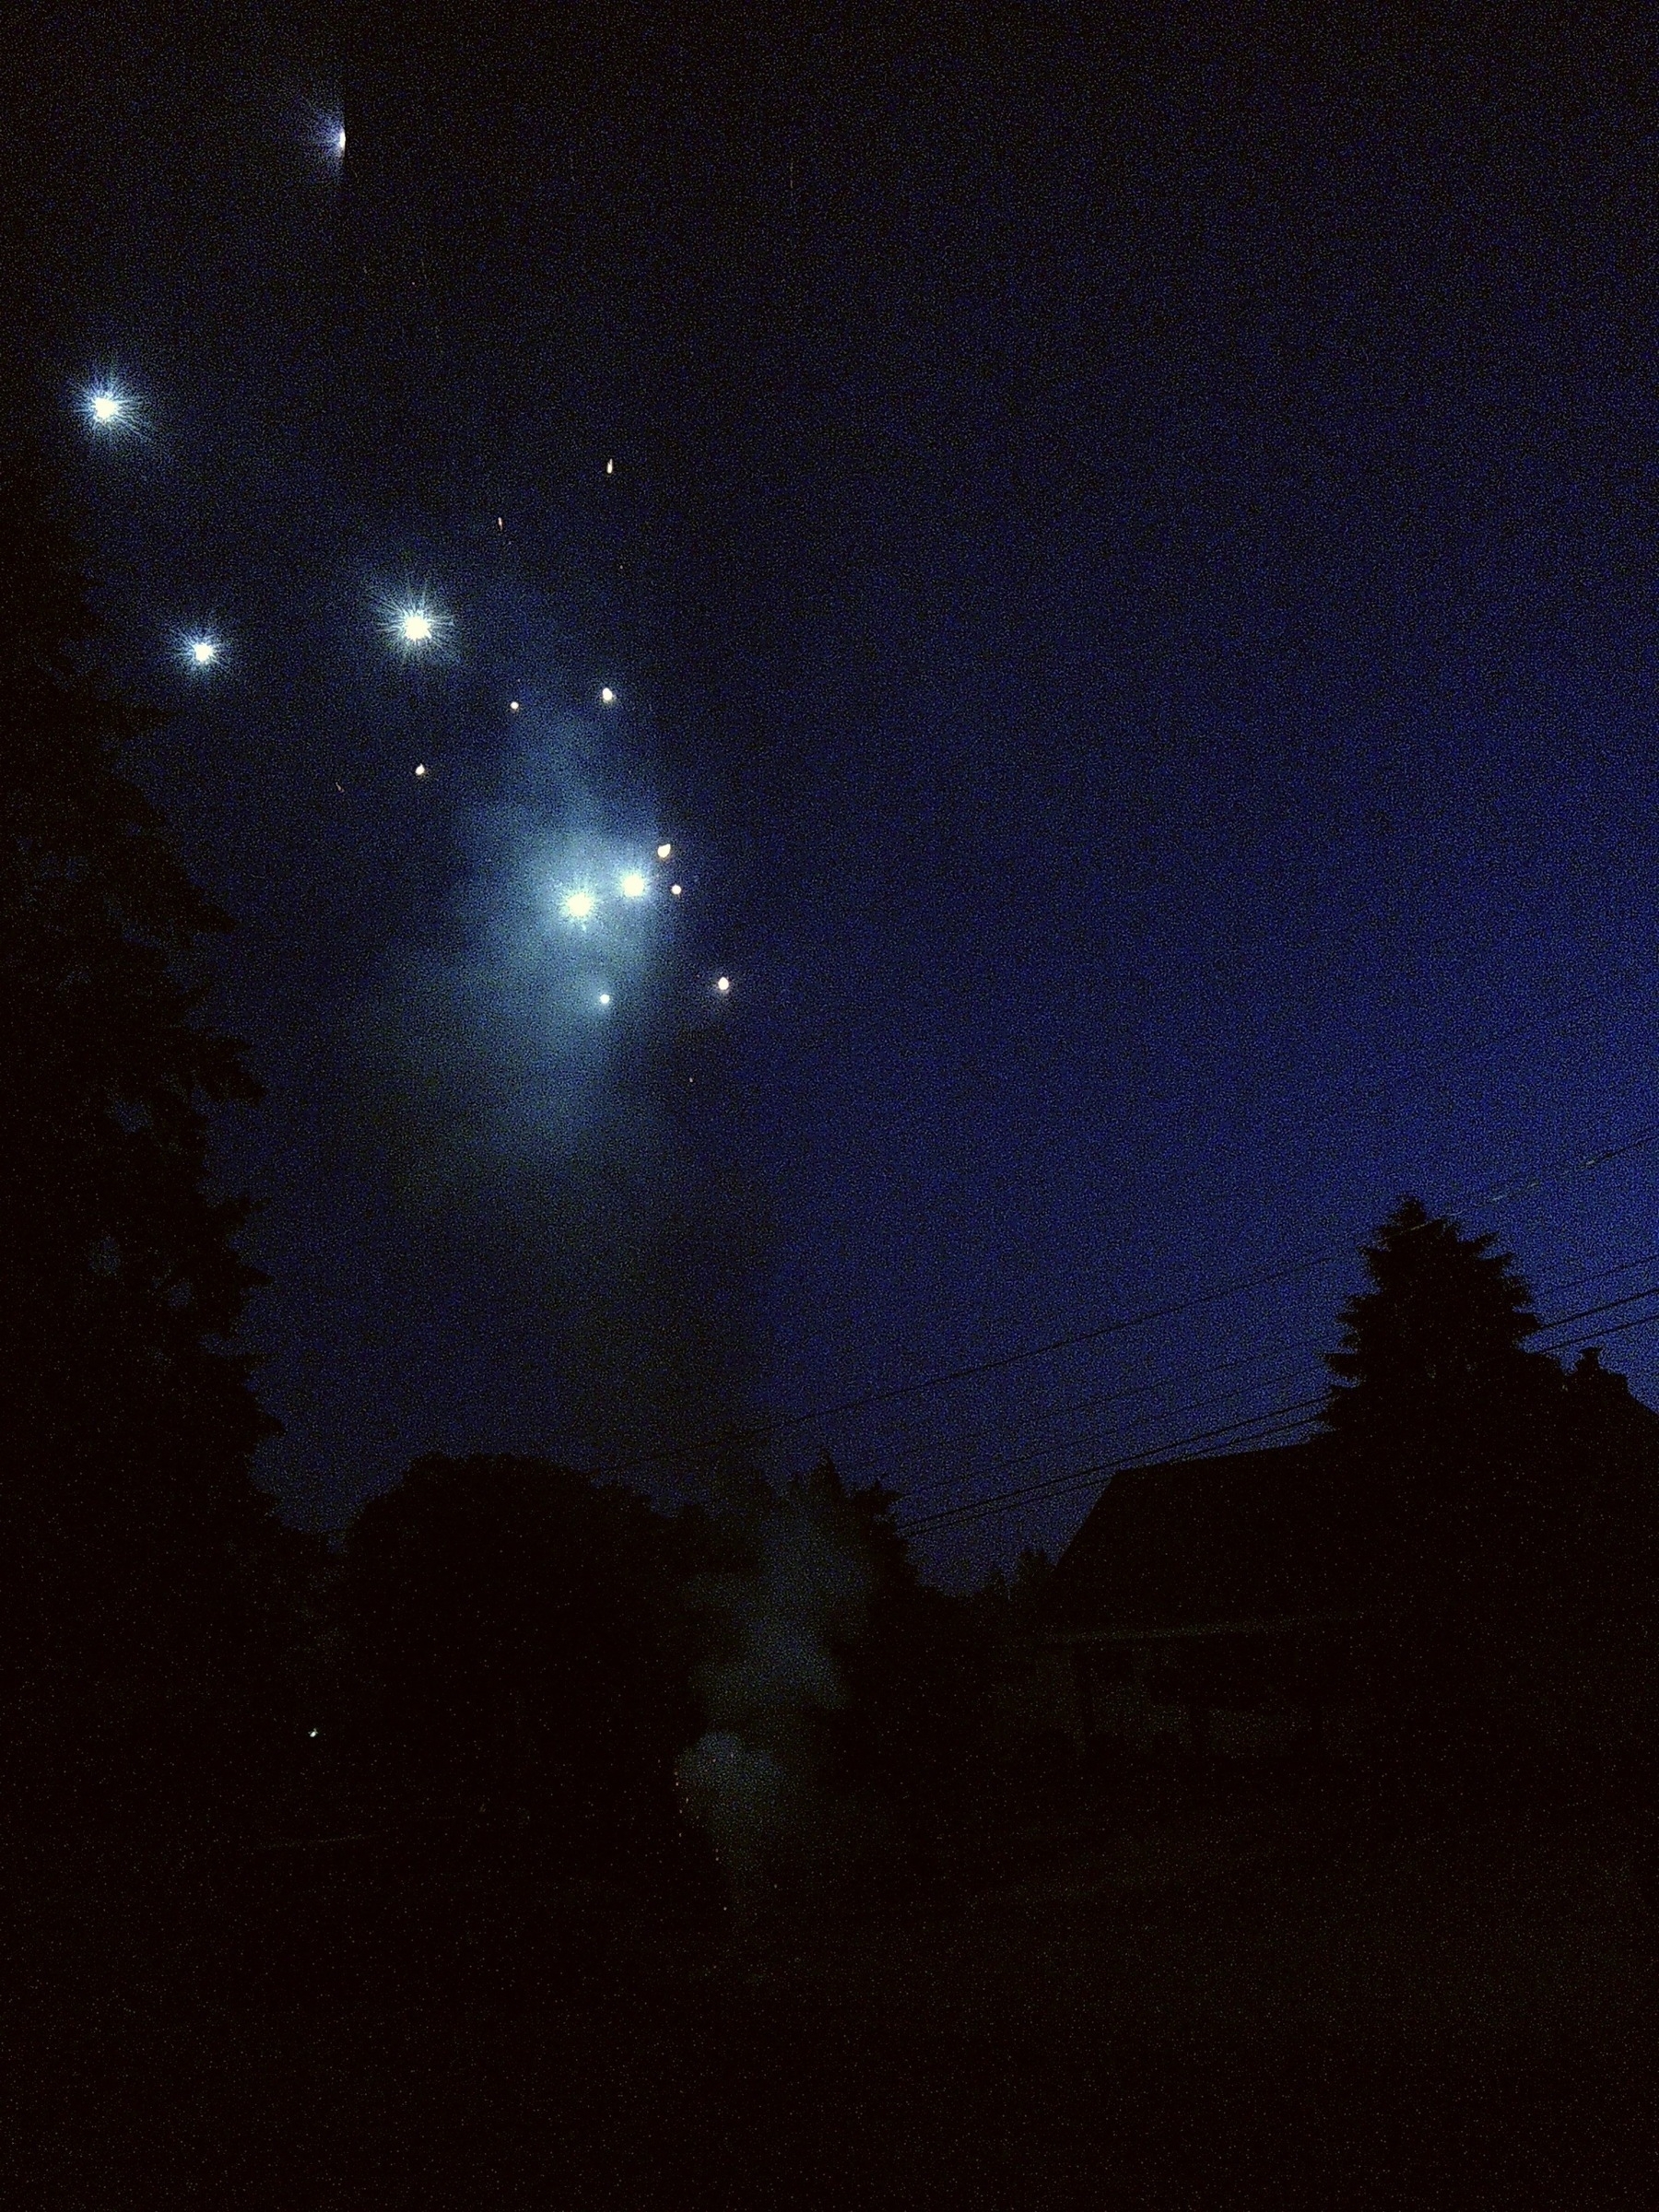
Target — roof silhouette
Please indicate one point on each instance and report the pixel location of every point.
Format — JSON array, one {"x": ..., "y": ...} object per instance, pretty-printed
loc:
[{"x": 1252, "y": 1535}]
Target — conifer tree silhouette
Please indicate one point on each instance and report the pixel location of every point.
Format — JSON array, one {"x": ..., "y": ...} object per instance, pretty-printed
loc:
[
  {"x": 1440, "y": 1416},
  {"x": 129, "y": 1523}
]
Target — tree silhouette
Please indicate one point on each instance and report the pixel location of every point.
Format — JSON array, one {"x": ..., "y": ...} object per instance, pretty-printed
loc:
[
  {"x": 916, "y": 1664},
  {"x": 1502, "y": 1511},
  {"x": 1441, "y": 1416},
  {"x": 130, "y": 1526},
  {"x": 514, "y": 1643}
]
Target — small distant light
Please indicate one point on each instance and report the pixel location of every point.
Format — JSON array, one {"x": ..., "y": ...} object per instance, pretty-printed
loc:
[
  {"x": 579, "y": 905},
  {"x": 499, "y": 524},
  {"x": 664, "y": 852},
  {"x": 607, "y": 698},
  {"x": 724, "y": 985},
  {"x": 339, "y": 148},
  {"x": 513, "y": 705},
  {"x": 633, "y": 884},
  {"x": 420, "y": 767},
  {"x": 673, "y": 890},
  {"x": 610, "y": 469},
  {"x": 604, "y": 998},
  {"x": 313, "y": 1732}
]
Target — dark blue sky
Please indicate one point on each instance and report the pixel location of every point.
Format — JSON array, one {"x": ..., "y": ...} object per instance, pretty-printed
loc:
[{"x": 1130, "y": 573}]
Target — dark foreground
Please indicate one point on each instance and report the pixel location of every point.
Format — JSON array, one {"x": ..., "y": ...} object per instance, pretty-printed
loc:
[{"x": 1221, "y": 2005}]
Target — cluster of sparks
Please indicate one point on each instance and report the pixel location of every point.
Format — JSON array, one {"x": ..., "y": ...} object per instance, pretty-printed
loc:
[
  {"x": 414, "y": 625},
  {"x": 581, "y": 905}
]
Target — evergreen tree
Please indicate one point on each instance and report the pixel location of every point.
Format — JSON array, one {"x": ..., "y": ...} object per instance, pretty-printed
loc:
[
  {"x": 1441, "y": 1418},
  {"x": 128, "y": 1518}
]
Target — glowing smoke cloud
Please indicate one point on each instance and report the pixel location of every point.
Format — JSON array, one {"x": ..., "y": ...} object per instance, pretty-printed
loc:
[
  {"x": 752, "y": 1778},
  {"x": 539, "y": 1045}
]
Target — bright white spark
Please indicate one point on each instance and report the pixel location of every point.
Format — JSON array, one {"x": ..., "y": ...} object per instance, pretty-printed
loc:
[
  {"x": 607, "y": 698},
  {"x": 664, "y": 852},
  {"x": 414, "y": 624},
  {"x": 674, "y": 889},
  {"x": 513, "y": 705},
  {"x": 340, "y": 140},
  {"x": 610, "y": 469},
  {"x": 633, "y": 884},
  {"x": 420, "y": 767},
  {"x": 724, "y": 985},
  {"x": 204, "y": 652},
  {"x": 604, "y": 998},
  {"x": 579, "y": 905},
  {"x": 111, "y": 409}
]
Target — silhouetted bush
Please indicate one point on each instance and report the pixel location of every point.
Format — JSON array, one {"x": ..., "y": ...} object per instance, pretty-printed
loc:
[{"x": 514, "y": 1648}]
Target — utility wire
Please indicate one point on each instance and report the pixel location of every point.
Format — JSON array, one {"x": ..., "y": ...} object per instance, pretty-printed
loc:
[
  {"x": 933, "y": 1448},
  {"x": 765, "y": 1433},
  {"x": 1054, "y": 1485},
  {"x": 1057, "y": 1486},
  {"x": 1069, "y": 1443}
]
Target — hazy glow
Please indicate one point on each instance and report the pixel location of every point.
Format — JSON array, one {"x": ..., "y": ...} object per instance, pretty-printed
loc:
[
  {"x": 204, "y": 652},
  {"x": 105, "y": 408},
  {"x": 604, "y": 998},
  {"x": 664, "y": 852},
  {"x": 724, "y": 985},
  {"x": 579, "y": 905},
  {"x": 415, "y": 626},
  {"x": 633, "y": 884}
]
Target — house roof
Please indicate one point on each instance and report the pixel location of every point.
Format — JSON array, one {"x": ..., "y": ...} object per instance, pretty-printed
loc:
[{"x": 1249, "y": 1537}]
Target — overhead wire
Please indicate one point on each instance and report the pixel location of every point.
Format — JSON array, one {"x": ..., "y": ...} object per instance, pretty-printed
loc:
[
  {"x": 754, "y": 1436},
  {"x": 940, "y": 1450},
  {"x": 1055, "y": 1486},
  {"x": 934, "y": 1448},
  {"x": 1076, "y": 1477},
  {"x": 1022, "y": 1458}
]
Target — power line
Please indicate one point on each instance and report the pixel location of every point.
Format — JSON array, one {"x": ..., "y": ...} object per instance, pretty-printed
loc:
[
  {"x": 1284, "y": 1375},
  {"x": 1067, "y": 1444},
  {"x": 1607, "y": 1306},
  {"x": 767, "y": 1432},
  {"x": 1596, "y": 1274},
  {"x": 1057, "y": 1486},
  {"x": 933, "y": 1448},
  {"x": 1640, "y": 1321}
]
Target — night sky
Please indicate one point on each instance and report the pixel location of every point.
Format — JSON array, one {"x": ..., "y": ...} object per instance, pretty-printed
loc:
[{"x": 1126, "y": 553}]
